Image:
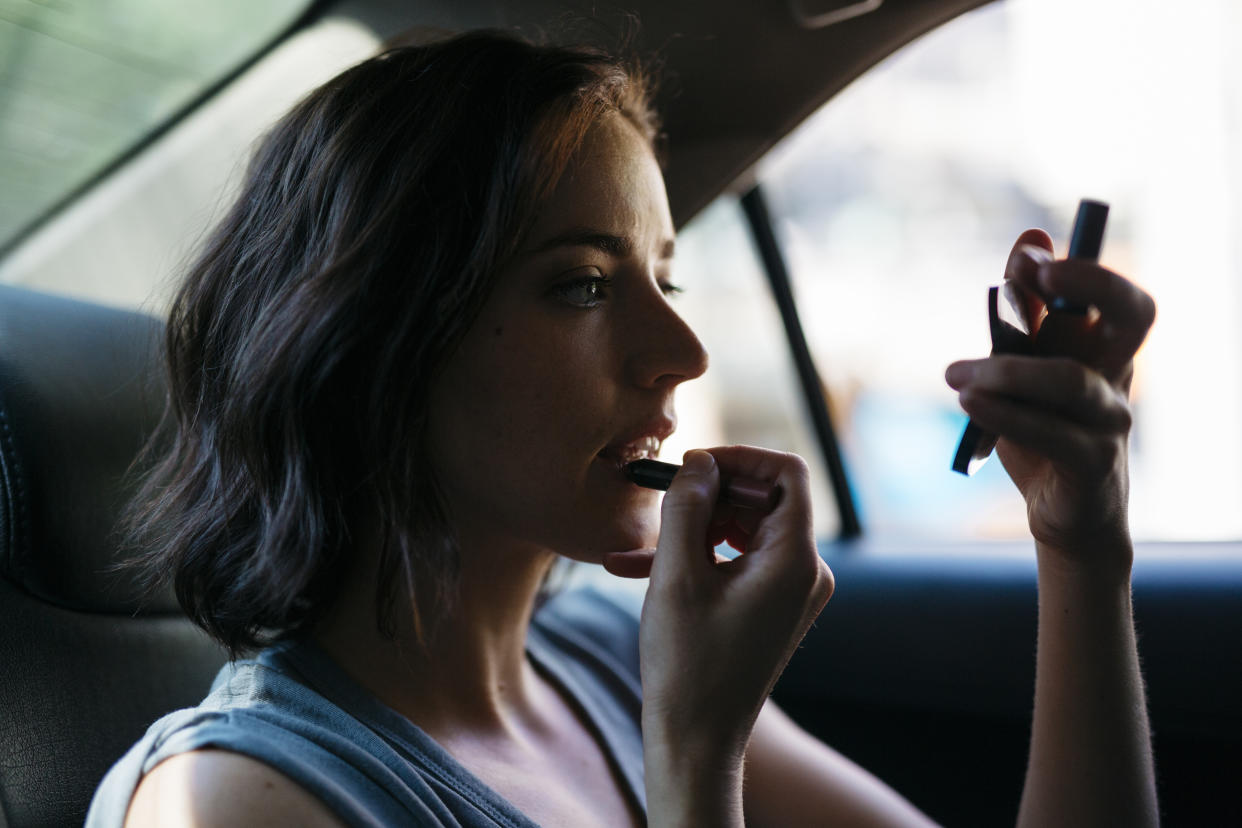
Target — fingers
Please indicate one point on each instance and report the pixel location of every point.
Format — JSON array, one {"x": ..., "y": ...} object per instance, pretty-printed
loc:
[
  {"x": 1032, "y": 238},
  {"x": 787, "y": 528},
  {"x": 1126, "y": 311},
  {"x": 760, "y": 464},
  {"x": 635, "y": 563},
  {"x": 1058, "y": 385},
  {"x": 684, "y": 548},
  {"x": 1067, "y": 443},
  {"x": 1108, "y": 341},
  {"x": 1055, "y": 407},
  {"x": 693, "y": 519},
  {"x": 1032, "y": 249},
  {"x": 788, "y": 472}
]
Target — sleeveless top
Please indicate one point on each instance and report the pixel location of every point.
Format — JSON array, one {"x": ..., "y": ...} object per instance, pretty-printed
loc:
[{"x": 294, "y": 709}]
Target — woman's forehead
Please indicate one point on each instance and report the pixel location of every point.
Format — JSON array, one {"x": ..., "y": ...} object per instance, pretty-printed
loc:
[{"x": 612, "y": 185}]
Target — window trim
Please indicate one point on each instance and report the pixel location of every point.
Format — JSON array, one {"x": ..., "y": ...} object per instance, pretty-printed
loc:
[{"x": 813, "y": 390}]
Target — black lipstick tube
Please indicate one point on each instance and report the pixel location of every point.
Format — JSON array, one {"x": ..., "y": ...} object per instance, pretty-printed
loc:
[
  {"x": 1086, "y": 239},
  {"x": 739, "y": 491}
]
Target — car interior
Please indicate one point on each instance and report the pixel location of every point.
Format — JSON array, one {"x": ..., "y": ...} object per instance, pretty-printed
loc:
[{"x": 921, "y": 668}]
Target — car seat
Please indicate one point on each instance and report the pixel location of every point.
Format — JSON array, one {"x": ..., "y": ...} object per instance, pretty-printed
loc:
[{"x": 86, "y": 662}]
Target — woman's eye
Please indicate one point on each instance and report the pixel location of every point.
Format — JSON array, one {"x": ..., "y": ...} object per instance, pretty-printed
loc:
[
  {"x": 670, "y": 289},
  {"x": 585, "y": 292}
]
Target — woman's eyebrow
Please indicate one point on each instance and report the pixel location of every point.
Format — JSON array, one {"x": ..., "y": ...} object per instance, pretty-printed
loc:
[{"x": 611, "y": 244}]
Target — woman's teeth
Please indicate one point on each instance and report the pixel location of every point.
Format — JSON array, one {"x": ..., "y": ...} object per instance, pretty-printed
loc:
[{"x": 637, "y": 450}]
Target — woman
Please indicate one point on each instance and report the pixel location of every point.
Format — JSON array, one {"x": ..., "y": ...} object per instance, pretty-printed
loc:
[{"x": 405, "y": 375}]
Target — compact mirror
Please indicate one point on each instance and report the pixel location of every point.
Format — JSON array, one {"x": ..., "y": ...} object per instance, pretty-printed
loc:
[{"x": 1011, "y": 334}]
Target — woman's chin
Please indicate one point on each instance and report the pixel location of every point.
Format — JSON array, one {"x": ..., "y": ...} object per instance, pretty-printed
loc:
[
  {"x": 615, "y": 539},
  {"x": 599, "y": 526}
]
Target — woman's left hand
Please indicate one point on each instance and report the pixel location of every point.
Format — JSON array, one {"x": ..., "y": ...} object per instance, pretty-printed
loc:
[{"x": 1063, "y": 416}]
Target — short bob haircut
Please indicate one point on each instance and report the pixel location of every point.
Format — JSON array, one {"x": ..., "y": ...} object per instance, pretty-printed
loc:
[{"x": 301, "y": 346}]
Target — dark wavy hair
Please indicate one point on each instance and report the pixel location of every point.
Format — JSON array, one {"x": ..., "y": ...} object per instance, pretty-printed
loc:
[{"x": 301, "y": 346}]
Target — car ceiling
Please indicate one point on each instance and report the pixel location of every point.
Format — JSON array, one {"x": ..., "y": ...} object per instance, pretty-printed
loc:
[{"x": 735, "y": 76}]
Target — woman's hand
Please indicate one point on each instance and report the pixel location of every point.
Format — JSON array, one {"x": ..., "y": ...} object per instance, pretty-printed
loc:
[
  {"x": 1064, "y": 416},
  {"x": 715, "y": 634},
  {"x": 1063, "y": 419}
]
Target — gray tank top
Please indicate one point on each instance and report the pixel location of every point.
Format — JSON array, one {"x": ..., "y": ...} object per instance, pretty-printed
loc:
[{"x": 294, "y": 709}]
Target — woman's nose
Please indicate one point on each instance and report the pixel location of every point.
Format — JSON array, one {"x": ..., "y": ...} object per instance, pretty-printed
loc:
[{"x": 665, "y": 351}]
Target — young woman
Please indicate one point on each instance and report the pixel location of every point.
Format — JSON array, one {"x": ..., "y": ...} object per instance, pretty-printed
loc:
[{"x": 405, "y": 375}]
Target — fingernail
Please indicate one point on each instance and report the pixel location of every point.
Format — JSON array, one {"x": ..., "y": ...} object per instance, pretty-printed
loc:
[
  {"x": 1036, "y": 254},
  {"x": 697, "y": 462},
  {"x": 1028, "y": 257},
  {"x": 959, "y": 373}
]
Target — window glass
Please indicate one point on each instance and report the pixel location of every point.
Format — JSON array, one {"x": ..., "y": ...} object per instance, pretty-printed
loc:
[
  {"x": 82, "y": 81},
  {"x": 127, "y": 240},
  {"x": 898, "y": 202}
]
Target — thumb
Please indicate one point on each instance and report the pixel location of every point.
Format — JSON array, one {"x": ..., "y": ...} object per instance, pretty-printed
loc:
[
  {"x": 683, "y": 549},
  {"x": 635, "y": 563}
]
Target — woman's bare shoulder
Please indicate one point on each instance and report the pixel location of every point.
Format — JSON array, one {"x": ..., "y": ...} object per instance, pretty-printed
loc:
[{"x": 217, "y": 788}]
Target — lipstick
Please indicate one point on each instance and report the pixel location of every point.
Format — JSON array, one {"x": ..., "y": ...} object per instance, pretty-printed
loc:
[
  {"x": 1086, "y": 239},
  {"x": 739, "y": 491}
]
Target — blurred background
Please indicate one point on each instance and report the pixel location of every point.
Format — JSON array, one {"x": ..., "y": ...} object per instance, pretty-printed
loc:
[{"x": 897, "y": 205}]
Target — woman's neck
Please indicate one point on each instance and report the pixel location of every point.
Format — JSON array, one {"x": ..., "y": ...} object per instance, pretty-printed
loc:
[{"x": 471, "y": 671}]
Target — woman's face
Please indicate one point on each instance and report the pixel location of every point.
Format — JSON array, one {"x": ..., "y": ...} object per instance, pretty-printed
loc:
[{"x": 570, "y": 369}]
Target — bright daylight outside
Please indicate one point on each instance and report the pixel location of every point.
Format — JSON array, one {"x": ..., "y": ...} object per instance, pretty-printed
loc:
[{"x": 897, "y": 205}]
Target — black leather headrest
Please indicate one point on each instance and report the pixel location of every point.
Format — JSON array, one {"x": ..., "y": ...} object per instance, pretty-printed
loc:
[{"x": 80, "y": 392}]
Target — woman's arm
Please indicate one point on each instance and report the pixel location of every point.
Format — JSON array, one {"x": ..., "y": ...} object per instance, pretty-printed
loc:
[
  {"x": 1090, "y": 760},
  {"x": 205, "y": 788},
  {"x": 1064, "y": 420}
]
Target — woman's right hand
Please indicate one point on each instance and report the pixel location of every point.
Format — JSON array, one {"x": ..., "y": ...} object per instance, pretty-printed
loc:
[{"x": 715, "y": 634}]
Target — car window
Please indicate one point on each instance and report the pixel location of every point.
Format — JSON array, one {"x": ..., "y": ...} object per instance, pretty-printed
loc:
[
  {"x": 125, "y": 240},
  {"x": 83, "y": 82},
  {"x": 897, "y": 204}
]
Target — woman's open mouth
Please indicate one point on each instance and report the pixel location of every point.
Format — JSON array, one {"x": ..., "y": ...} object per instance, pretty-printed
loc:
[{"x": 643, "y": 448}]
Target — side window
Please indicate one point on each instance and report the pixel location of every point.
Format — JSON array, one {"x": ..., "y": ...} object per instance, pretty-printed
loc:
[
  {"x": 898, "y": 202},
  {"x": 123, "y": 241},
  {"x": 85, "y": 82}
]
